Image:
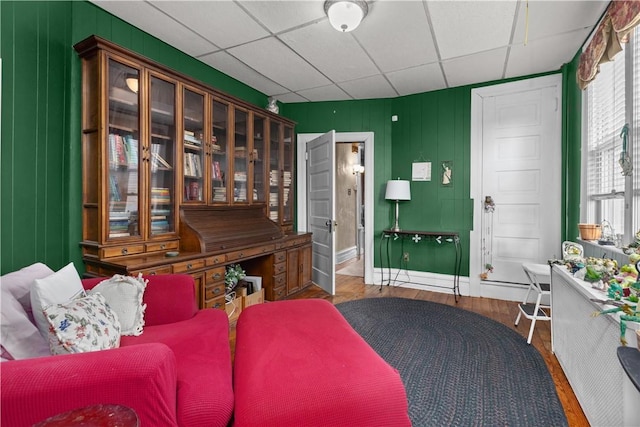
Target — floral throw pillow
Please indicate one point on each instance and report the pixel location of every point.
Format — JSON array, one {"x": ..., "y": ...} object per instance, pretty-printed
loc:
[{"x": 84, "y": 324}]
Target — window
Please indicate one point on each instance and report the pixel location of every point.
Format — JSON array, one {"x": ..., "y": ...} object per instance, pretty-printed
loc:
[{"x": 611, "y": 101}]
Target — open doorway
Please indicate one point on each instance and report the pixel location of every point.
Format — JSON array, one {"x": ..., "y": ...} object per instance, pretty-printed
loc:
[
  {"x": 349, "y": 199},
  {"x": 367, "y": 139}
]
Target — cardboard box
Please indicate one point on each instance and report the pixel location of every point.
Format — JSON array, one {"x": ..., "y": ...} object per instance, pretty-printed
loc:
[
  {"x": 254, "y": 298},
  {"x": 234, "y": 308}
]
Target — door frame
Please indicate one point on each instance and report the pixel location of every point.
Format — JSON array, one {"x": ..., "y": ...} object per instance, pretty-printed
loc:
[
  {"x": 367, "y": 138},
  {"x": 477, "y": 287}
]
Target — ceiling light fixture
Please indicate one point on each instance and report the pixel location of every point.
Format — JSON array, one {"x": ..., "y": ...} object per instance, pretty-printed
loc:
[{"x": 345, "y": 15}]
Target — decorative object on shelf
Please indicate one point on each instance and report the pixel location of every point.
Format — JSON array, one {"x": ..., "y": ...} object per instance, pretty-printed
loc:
[
  {"x": 273, "y": 105},
  {"x": 345, "y": 15},
  {"x": 397, "y": 190},
  {"x": 233, "y": 274},
  {"x": 590, "y": 231},
  {"x": 608, "y": 235}
]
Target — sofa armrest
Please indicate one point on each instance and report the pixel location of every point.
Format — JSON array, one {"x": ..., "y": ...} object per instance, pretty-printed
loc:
[
  {"x": 142, "y": 377},
  {"x": 170, "y": 298}
]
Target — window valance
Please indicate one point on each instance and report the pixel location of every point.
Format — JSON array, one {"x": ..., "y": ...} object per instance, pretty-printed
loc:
[{"x": 618, "y": 21}]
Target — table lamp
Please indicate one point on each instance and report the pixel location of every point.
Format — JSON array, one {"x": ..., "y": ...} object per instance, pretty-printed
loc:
[{"x": 397, "y": 190}]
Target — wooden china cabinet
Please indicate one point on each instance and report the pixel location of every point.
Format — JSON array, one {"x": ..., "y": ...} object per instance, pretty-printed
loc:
[{"x": 181, "y": 178}]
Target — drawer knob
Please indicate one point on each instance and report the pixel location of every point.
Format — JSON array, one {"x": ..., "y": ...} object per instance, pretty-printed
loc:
[
  {"x": 189, "y": 266},
  {"x": 241, "y": 254},
  {"x": 216, "y": 291},
  {"x": 216, "y": 260},
  {"x": 124, "y": 251},
  {"x": 216, "y": 276},
  {"x": 163, "y": 246},
  {"x": 217, "y": 305}
]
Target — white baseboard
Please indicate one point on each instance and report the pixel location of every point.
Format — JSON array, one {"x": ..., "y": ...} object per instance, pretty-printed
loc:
[{"x": 346, "y": 254}]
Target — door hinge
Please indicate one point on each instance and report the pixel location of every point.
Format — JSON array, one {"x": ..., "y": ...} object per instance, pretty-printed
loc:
[{"x": 306, "y": 155}]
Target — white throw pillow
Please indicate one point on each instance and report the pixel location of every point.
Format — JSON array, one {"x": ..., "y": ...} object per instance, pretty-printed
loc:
[
  {"x": 84, "y": 324},
  {"x": 19, "y": 335},
  {"x": 58, "y": 288},
  {"x": 124, "y": 296}
]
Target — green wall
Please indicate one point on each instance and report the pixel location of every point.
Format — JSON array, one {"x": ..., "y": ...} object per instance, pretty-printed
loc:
[
  {"x": 40, "y": 171},
  {"x": 34, "y": 156}
]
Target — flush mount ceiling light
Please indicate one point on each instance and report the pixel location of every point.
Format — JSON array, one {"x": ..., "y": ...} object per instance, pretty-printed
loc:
[{"x": 346, "y": 15}]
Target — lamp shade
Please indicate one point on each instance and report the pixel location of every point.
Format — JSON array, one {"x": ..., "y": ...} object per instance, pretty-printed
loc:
[
  {"x": 398, "y": 190},
  {"x": 345, "y": 15}
]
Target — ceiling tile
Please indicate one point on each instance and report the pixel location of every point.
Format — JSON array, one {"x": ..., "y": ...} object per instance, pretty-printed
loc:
[
  {"x": 217, "y": 21},
  {"x": 482, "y": 67},
  {"x": 325, "y": 93},
  {"x": 396, "y": 35},
  {"x": 337, "y": 55},
  {"x": 229, "y": 65},
  {"x": 417, "y": 79},
  {"x": 279, "y": 16},
  {"x": 278, "y": 63},
  {"x": 547, "y": 18},
  {"x": 369, "y": 88},
  {"x": 146, "y": 17},
  {"x": 465, "y": 27},
  {"x": 544, "y": 54}
]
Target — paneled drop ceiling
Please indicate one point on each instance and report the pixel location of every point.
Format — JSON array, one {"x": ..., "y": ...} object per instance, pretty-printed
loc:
[{"x": 288, "y": 50}]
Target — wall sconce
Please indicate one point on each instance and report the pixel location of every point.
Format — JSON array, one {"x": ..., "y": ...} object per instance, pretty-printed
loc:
[
  {"x": 345, "y": 15},
  {"x": 358, "y": 169},
  {"x": 397, "y": 190},
  {"x": 132, "y": 82}
]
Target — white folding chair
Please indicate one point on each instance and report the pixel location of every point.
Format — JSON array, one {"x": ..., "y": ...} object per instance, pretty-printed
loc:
[{"x": 539, "y": 276}]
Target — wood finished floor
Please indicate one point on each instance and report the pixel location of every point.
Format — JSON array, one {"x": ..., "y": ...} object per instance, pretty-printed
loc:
[{"x": 352, "y": 288}]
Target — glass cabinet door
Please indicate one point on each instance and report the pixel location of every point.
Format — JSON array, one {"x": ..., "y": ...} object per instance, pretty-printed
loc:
[
  {"x": 123, "y": 147},
  {"x": 287, "y": 171},
  {"x": 274, "y": 171},
  {"x": 240, "y": 156},
  {"x": 219, "y": 150},
  {"x": 193, "y": 153},
  {"x": 162, "y": 151},
  {"x": 257, "y": 158}
]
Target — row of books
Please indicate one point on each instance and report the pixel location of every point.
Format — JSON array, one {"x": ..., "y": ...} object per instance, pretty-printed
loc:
[
  {"x": 123, "y": 150},
  {"x": 219, "y": 194},
  {"x": 240, "y": 176},
  {"x": 160, "y": 196},
  {"x": 192, "y": 165},
  {"x": 190, "y": 138}
]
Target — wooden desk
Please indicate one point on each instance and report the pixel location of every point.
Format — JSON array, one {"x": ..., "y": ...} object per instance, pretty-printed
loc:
[{"x": 442, "y": 237}]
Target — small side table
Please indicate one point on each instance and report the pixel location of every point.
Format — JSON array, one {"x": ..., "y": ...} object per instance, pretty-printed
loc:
[{"x": 94, "y": 416}]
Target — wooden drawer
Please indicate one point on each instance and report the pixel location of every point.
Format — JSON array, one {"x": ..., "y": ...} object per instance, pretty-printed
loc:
[
  {"x": 276, "y": 293},
  {"x": 280, "y": 268},
  {"x": 164, "y": 269},
  {"x": 296, "y": 242},
  {"x": 279, "y": 280},
  {"x": 121, "y": 250},
  {"x": 188, "y": 266},
  {"x": 279, "y": 257},
  {"x": 214, "y": 291},
  {"x": 214, "y": 275},
  {"x": 162, "y": 246},
  {"x": 250, "y": 252},
  {"x": 216, "y": 260},
  {"x": 215, "y": 303}
]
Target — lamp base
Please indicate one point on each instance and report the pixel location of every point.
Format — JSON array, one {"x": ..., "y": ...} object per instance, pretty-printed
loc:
[{"x": 396, "y": 229}]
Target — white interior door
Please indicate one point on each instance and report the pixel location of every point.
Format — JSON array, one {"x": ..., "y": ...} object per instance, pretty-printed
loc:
[
  {"x": 321, "y": 153},
  {"x": 521, "y": 172}
]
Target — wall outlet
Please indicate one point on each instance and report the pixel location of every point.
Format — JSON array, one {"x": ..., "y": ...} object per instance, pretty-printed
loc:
[{"x": 405, "y": 256}]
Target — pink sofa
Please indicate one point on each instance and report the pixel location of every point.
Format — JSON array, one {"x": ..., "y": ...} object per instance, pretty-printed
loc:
[{"x": 177, "y": 373}]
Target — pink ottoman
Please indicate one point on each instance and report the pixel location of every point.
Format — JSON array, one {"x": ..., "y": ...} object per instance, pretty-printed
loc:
[{"x": 299, "y": 363}]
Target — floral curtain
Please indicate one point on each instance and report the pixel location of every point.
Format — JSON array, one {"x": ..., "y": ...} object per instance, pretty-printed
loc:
[{"x": 618, "y": 21}]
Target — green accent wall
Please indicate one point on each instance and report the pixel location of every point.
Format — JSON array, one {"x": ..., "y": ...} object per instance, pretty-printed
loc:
[
  {"x": 40, "y": 169},
  {"x": 34, "y": 156}
]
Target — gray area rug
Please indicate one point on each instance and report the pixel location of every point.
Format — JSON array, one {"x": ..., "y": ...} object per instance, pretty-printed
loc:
[{"x": 459, "y": 368}]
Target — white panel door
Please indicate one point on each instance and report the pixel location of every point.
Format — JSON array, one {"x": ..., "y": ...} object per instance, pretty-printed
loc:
[
  {"x": 321, "y": 153},
  {"x": 521, "y": 160}
]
